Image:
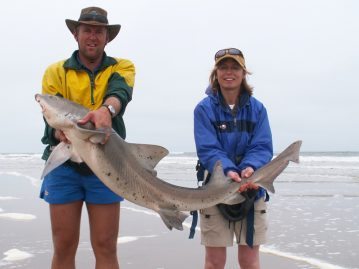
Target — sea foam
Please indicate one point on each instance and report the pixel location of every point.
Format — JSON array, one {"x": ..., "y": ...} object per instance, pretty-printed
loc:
[
  {"x": 16, "y": 255},
  {"x": 318, "y": 263},
  {"x": 17, "y": 216}
]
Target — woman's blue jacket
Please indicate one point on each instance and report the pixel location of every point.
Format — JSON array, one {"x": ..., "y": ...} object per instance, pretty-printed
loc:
[{"x": 238, "y": 138}]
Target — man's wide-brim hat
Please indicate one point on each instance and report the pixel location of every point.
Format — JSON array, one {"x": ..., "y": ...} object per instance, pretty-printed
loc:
[{"x": 94, "y": 16}]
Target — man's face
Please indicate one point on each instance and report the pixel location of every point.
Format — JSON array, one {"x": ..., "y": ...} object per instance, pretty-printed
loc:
[{"x": 92, "y": 41}]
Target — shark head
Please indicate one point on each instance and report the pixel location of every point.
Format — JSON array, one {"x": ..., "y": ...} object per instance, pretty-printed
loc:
[{"x": 60, "y": 112}]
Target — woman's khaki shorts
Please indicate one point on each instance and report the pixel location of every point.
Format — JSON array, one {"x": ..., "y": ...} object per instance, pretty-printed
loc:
[{"x": 216, "y": 231}]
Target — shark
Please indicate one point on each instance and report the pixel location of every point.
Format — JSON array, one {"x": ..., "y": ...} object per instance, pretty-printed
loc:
[{"x": 128, "y": 169}]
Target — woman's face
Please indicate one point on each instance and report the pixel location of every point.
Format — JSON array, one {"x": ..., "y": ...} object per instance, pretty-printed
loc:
[{"x": 229, "y": 75}]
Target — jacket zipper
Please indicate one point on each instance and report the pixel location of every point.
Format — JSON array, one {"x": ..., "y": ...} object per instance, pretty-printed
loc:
[
  {"x": 234, "y": 115},
  {"x": 92, "y": 82}
]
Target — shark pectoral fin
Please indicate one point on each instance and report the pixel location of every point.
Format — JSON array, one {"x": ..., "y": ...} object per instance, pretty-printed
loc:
[
  {"x": 95, "y": 136},
  {"x": 98, "y": 138},
  {"x": 60, "y": 154},
  {"x": 148, "y": 155},
  {"x": 236, "y": 198},
  {"x": 173, "y": 219}
]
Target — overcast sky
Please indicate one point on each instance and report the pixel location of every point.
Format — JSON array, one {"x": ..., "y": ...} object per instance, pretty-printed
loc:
[{"x": 304, "y": 56}]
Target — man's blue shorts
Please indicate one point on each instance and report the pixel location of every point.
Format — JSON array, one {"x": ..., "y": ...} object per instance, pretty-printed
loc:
[{"x": 64, "y": 185}]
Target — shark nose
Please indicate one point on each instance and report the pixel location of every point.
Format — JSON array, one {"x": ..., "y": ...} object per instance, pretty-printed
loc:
[{"x": 37, "y": 97}]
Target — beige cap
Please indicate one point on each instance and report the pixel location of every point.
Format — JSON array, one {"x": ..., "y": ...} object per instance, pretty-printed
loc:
[{"x": 238, "y": 58}]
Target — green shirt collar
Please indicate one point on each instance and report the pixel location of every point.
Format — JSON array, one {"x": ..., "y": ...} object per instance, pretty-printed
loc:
[{"x": 74, "y": 63}]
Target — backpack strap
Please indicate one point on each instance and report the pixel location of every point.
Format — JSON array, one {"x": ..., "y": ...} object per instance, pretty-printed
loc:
[
  {"x": 201, "y": 179},
  {"x": 250, "y": 227},
  {"x": 250, "y": 222},
  {"x": 194, "y": 224}
]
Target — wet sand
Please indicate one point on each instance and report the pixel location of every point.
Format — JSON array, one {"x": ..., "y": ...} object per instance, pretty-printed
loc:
[{"x": 144, "y": 242}]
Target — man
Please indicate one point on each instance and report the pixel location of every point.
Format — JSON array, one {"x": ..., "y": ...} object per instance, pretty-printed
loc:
[{"x": 104, "y": 85}]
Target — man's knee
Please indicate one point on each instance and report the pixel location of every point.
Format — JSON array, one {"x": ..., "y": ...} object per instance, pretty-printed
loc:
[
  {"x": 105, "y": 245},
  {"x": 65, "y": 247}
]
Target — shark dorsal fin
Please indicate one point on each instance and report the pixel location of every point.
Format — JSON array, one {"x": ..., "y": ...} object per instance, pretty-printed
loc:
[{"x": 148, "y": 155}]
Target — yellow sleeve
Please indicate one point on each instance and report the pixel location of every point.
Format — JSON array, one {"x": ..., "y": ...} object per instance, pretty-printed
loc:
[
  {"x": 126, "y": 69},
  {"x": 53, "y": 81}
]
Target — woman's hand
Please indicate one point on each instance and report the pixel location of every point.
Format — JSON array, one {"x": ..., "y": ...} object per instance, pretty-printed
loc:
[
  {"x": 245, "y": 173},
  {"x": 234, "y": 176}
]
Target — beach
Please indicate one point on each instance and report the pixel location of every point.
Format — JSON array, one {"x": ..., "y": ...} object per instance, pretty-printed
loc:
[
  {"x": 144, "y": 242},
  {"x": 313, "y": 219}
]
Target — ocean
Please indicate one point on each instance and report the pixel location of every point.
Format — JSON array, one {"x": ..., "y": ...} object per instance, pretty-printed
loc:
[{"x": 313, "y": 215}]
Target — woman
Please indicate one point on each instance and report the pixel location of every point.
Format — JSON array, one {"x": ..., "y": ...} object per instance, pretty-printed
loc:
[{"x": 232, "y": 126}]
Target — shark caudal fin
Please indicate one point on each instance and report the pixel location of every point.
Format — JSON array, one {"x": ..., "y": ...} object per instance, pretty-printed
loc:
[
  {"x": 266, "y": 175},
  {"x": 60, "y": 154},
  {"x": 297, "y": 145},
  {"x": 173, "y": 219},
  {"x": 291, "y": 153}
]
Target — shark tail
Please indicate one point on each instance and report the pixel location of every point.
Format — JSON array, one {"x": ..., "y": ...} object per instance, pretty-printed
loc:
[
  {"x": 291, "y": 153},
  {"x": 276, "y": 166},
  {"x": 173, "y": 219}
]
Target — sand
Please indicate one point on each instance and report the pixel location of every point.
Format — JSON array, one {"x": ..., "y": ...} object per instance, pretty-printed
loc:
[{"x": 144, "y": 242}]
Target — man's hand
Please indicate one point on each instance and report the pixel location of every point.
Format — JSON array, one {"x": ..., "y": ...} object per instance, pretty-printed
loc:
[{"x": 101, "y": 118}]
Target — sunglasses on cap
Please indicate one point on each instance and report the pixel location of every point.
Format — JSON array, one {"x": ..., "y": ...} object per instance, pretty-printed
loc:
[{"x": 231, "y": 51}]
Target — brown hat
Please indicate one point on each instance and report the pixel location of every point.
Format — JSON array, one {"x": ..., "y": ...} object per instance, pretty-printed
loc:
[
  {"x": 232, "y": 53},
  {"x": 94, "y": 16}
]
